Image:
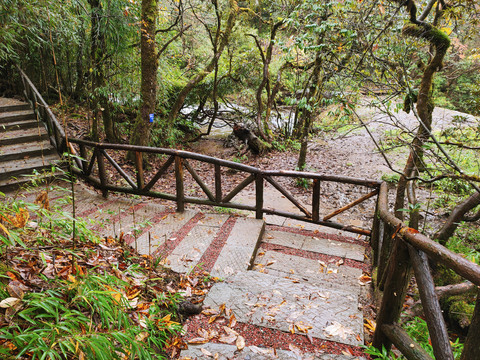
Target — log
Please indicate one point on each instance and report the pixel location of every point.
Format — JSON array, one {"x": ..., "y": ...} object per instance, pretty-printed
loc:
[
  {"x": 471, "y": 350},
  {"x": 404, "y": 343},
  {"x": 254, "y": 143}
]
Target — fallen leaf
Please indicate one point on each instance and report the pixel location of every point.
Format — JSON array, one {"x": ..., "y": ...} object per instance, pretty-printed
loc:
[
  {"x": 240, "y": 343},
  {"x": 337, "y": 329},
  {"x": 9, "y": 302},
  {"x": 206, "y": 352},
  {"x": 197, "y": 340}
]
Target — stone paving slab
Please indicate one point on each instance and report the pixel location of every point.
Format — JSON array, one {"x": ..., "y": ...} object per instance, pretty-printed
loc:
[
  {"x": 315, "y": 244},
  {"x": 161, "y": 232},
  {"x": 303, "y": 269},
  {"x": 125, "y": 219},
  {"x": 187, "y": 254},
  {"x": 239, "y": 251},
  {"x": 278, "y": 303},
  {"x": 226, "y": 352}
]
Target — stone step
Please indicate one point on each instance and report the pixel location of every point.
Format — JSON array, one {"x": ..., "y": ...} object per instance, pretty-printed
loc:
[
  {"x": 226, "y": 352},
  {"x": 318, "y": 243},
  {"x": 16, "y": 168},
  {"x": 27, "y": 150},
  {"x": 15, "y": 116},
  {"x": 14, "y": 183},
  {"x": 327, "y": 274},
  {"x": 221, "y": 244},
  {"x": 20, "y": 125},
  {"x": 23, "y": 136},
  {"x": 269, "y": 301},
  {"x": 15, "y": 107}
]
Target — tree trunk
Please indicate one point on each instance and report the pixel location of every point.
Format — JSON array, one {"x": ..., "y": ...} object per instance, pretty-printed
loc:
[
  {"x": 425, "y": 105},
  {"x": 210, "y": 66},
  {"x": 149, "y": 66}
]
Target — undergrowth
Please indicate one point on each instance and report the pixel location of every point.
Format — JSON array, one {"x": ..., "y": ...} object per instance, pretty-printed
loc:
[{"x": 81, "y": 297}]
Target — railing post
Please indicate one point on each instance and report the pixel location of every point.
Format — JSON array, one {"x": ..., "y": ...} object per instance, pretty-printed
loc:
[
  {"x": 377, "y": 231},
  {"x": 218, "y": 184},
  {"x": 101, "y": 173},
  {"x": 259, "y": 196},
  {"x": 139, "y": 166},
  {"x": 433, "y": 313},
  {"x": 471, "y": 349},
  {"x": 316, "y": 200},
  {"x": 179, "y": 184},
  {"x": 398, "y": 275},
  {"x": 83, "y": 155}
]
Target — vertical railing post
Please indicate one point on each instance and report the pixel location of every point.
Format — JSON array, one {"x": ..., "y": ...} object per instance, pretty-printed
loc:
[
  {"x": 398, "y": 274},
  {"x": 375, "y": 242},
  {"x": 83, "y": 155},
  {"x": 139, "y": 167},
  {"x": 471, "y": 349},
  {"x": 259, "y": 196},
  {"x": 316, "y": 200},
  {"x": 101, "y": 172},
  {"x": 218, "y": 184},
  {"x": 179, "y": 184},
  {"x": 433, "y": 313}
]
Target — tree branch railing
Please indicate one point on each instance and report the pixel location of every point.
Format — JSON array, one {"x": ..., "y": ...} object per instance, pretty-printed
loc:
[
  {"x": 400, "y": 251},
  {"x": 397, "y": 249}
]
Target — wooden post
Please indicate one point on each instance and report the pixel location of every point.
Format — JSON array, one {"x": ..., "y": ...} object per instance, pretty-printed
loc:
[
  {"x": 471, "y": 348},
  {"x": 259, "y": 196},
  {"x": 218, "y": 184},
  {"x": 101, "y": 173},
  {"x": 377, "y": 231},
  {"x": 398, "y": 275},
  {"x": 139, "y": 167},
  {"x": 316, "y": 200},
  {"x": 83, "y": 155},
  {"x": 179, "y": 184},
  {"x": 433, "y": 313},
  {"x": 385, "y": 252},
  {"x": 403, "y": 342}
]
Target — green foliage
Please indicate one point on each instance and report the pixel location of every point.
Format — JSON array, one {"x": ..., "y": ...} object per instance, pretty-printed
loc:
[
  {"x": 86, "y": 314},
  {"x": 382, "y": 354}
]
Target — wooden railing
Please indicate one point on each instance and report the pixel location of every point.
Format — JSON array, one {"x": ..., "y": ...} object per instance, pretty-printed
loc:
[
  {"x": 396, "y": 248},
  {"x": 96, "y": 157}
]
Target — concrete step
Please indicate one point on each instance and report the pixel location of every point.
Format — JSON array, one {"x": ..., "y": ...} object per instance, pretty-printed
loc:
[
  {"x": 16, "y": 168},
  {"x": 19, "y": 125},
  {"x": 26, "y": 150},
  {"x": 226, "y": 352},
  {"x": 15, "y": 107},
  {"x": 15, "y": 116},
  {"x": 14, "y": 183},
  {"x": 277, "y": 303},
  {"x": 23, "y": 136}
]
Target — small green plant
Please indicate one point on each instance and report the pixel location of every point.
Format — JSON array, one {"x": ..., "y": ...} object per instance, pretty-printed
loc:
[
  {"x": 382, "y": 354},
  {"x": 391, "y": 178},
  {"x": 224, "y": 210}
]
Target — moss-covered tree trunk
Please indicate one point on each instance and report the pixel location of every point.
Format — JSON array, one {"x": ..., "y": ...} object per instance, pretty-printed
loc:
[
  {"x": 425, "y": 104},
  {"x": 140, "y": 134}
]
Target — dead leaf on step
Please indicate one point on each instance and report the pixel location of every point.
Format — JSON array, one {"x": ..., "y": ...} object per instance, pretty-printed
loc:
[
  {"x": 197, "y": 340},
  {"x": 337, "y": 329},
  {"x": 240, "y": 343},
  {"x": 206, "y": 352}
]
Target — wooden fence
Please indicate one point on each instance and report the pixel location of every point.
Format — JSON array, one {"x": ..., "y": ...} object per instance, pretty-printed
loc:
[{"x": 396, "y": 248}]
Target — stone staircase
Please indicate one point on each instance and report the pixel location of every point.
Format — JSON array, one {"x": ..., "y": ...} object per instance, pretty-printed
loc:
[
  {"x": 276, "y": 279},
  {"x": 24, "y": 145}
]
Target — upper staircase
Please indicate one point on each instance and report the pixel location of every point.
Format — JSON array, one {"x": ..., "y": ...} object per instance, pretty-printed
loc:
[{"x": 24, "y": 145}]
